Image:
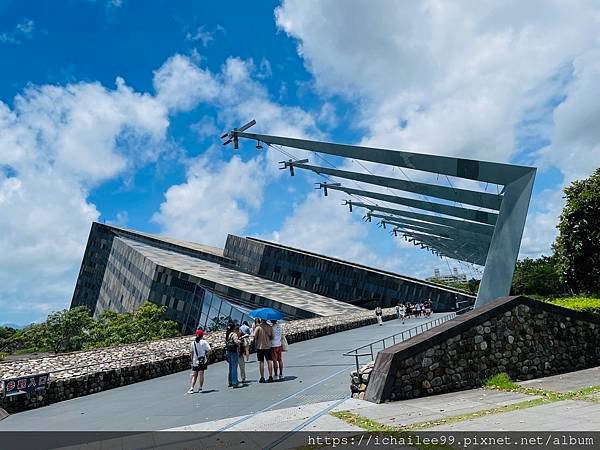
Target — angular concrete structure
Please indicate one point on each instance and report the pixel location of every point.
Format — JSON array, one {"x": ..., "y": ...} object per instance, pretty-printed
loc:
[{"x": 204, "y": 286}]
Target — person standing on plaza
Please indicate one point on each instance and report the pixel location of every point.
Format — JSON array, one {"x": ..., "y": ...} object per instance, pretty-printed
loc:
[
  {"x": 242, "y": 352},
  {"x": 262, "y": 340},
  {"x": 397, "y": 311},
  {"x": 276, "y": 349},
  {"x": 418, "y": 309},
  {"x": 255, "y": 325},
  {"x": 232, "y": 345},
  {"x": 199, "y": 353},
  {"x": 379, "y": 314},
  {"x": 402, "y": 312},
  {"x": 246, "y": 333}
]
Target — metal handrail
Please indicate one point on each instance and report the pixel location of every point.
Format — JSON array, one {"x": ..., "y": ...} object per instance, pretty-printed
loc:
[{"x": 411, "y": 332}]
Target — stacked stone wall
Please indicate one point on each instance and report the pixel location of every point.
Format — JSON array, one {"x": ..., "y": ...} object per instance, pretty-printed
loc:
[
  {"x": 87, "y": 372},
  {"x": 522, "y": 337}
]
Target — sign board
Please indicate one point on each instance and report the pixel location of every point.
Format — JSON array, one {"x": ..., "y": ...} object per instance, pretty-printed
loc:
[{"x": 25, "y": 385}]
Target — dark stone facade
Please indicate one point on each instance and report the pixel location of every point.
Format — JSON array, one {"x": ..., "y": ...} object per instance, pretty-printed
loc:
[
  {"x": 97, "y": 259},
  {"x": 349, "y": 282},
  {"x": 522, "y": 337}
]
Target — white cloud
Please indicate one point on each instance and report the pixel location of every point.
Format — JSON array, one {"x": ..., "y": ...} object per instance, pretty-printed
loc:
[
  {"x": 216, "y": 199},
  {"x": 575, "y": 147},
  {"x": 181, "y": 85},
  {"x": 56, "y": 144},
  {"x": 316, "y": 225},
  {"x": 540, "y": 230},
  {"x": 23, "y": 30},
  {"x": 200, "y": 34}
]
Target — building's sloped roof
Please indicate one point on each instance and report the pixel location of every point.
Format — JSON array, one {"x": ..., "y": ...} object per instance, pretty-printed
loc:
[
  {"x": 181, "y": 243},
  {"x": 298, "y": 298}
]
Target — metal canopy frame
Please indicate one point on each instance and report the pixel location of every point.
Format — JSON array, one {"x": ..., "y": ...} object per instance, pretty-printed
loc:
[{"x": 491, "y": 237}]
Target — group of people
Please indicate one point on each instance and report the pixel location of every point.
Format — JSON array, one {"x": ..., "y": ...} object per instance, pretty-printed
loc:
[
  {"x": 407, "y": 310},
  {"x": 264, "y": 336}
]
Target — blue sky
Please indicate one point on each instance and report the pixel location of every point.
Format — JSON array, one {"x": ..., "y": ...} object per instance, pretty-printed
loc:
[{"x": 111, "y": 111}]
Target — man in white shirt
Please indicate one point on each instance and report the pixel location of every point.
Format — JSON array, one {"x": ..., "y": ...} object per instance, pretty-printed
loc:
[
  {"x": 199, "y": 349},
  {"x": 276, "y": 350}
]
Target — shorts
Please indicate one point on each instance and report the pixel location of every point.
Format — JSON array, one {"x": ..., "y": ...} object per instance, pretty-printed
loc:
[
  {"x": 199, "y": 367},
  {"x": 276, "y": 353},
  {"x": 262, "y": 354}
]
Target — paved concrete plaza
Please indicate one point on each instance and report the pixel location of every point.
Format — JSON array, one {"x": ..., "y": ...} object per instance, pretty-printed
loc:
[
  {"x": 566, "y": 382},
  {"x": 315, "y": 372},
  {"x": 572, "y": 415}
]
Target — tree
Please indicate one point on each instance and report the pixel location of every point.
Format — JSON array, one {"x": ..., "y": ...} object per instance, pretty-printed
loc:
[
  {"x": 577, "y": 246},
  {"x": 67, "y": 330},
  {"x": 539, "y": 276},
  {"x": 6, "y": 332},
  {"x": 145, "y": 324}
]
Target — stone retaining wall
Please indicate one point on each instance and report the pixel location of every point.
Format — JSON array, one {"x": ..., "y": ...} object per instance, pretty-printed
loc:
[
  {"x": 359, "y": 380},
  {"x": 522, "y": 337},
  {"x": 87, "y": 372}
]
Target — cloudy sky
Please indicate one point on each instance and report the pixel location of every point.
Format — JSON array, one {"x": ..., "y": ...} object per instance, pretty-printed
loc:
[{"x": 111, "y": 111}]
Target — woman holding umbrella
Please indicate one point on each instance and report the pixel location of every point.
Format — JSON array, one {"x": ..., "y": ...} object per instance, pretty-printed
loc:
[{"x": 262, "y": 339}]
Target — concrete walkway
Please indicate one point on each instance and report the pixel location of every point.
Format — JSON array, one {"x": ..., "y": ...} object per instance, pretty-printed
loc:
[
  {"x": 573, "y": 415},
  {"x": 315, "y": 372}
]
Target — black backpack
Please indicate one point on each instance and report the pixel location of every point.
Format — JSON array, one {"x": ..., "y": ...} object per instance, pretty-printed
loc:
[{"x": 230, "y": 344}]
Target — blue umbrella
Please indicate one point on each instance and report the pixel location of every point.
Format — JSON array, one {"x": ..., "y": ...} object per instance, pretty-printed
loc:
[{"x": 266, "y": 314}]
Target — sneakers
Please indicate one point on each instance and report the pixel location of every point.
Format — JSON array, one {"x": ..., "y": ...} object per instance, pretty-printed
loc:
[
  {"x": 262, "y": 380},
  {"x": 281, "y": 376},
  {"x": 190, "y": 390},
  {"x": 199, "y": 390},
  {"x": 270, "y": 380}
]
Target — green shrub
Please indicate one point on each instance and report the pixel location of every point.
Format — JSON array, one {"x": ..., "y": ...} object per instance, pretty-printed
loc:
[
  {"x": 585, "y": 304},
  {"x": 501, "y": 381}
]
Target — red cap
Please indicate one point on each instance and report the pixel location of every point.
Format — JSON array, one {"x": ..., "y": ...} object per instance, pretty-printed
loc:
[{"x": 199, "y": 332}]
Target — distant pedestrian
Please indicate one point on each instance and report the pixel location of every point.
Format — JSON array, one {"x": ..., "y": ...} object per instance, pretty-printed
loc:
[
  {"x": 397, "y": 311},
  {"x": 199, "y": 350},
  {"x": 418, "y": 309},
  {"x": 242, "y": 351},
  {"x": 276, "y": 349},
  {"x": 402, "y": 312},
  {"x": 379, "y": 314},
  {"x": 246, "y": 337},
  {"x": 232, "y": 343},
  {"x": 262, "y": 340}
]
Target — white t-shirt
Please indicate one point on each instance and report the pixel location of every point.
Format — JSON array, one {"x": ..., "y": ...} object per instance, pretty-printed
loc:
[
  {"x": 277, "y": 333},
  {"x": 201, "y": 349}
]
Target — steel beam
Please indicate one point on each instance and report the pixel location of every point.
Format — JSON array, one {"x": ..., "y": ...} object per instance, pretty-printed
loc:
[
  {"x": 469, "y": 226},
  {"x": 440, "y": 230},
  {"x": 450, "y": 242},
  {"x": 489, "y": 172},
  {"x": 474, "y": 198},
  {"x": 474, "y": 215},
  {"x": 447, "y": 247}
]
